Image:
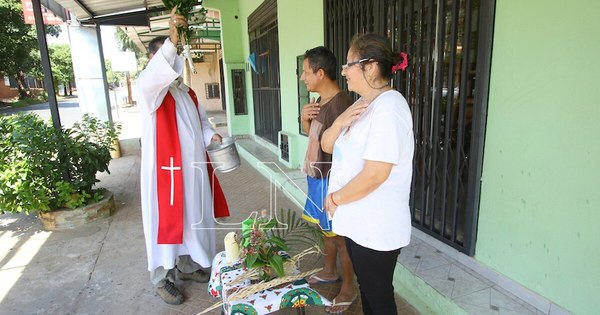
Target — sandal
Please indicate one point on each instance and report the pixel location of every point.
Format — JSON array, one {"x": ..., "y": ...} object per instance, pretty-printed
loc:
[
  {"x": 320, "y": 280},
  {"x": 345, "y": 305}
]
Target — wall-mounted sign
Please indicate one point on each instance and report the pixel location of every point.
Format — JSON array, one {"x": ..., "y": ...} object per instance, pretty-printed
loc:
[{"x": 49, "y": 17}]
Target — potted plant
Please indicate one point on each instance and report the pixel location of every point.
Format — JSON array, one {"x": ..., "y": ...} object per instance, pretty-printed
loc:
[
  {"x": 265, "y": 262},
  {"x": 265, "y": 241},
  {"x": 47, "y": 170}
]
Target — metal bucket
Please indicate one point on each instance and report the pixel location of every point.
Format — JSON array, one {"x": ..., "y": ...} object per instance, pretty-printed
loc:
[{"x": 224, "y": 156}]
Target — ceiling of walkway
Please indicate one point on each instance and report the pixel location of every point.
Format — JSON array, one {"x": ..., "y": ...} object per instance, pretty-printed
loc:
[
  {"x": 144, "y": 20},
  {"x": 206, "y": 36},
  {"x": 101, "y": 10}
]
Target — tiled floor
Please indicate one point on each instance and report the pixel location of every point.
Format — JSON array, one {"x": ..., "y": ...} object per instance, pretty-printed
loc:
[
  {"x": 330, "y": 291},
  {"x": 473, "y": 293}
]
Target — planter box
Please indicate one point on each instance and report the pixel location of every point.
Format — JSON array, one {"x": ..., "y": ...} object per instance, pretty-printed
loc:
[{"x": 66, "y": 219}]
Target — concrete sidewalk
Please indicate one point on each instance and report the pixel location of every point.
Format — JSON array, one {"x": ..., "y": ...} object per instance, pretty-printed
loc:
[{"x": 101, "y": 268}]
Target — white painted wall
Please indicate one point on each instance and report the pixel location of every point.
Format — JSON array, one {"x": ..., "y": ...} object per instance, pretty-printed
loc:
[{"x": 207, "y": 72}]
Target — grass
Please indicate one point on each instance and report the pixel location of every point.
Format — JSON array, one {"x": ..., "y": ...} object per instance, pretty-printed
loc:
[
  {"x": 25, "y": 102},
  {"x": 16, "y": 103}
]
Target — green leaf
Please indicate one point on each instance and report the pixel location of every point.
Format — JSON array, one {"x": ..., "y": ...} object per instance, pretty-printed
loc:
[
  {"x": 269, "y": 225},
  {"x": 279, "y": 242},
  {"x": 250, "y": 260},
  {"x": 246, "y": 233},
  {"x": 276, "y": 263},
  {"x": 31, "y": 168}
]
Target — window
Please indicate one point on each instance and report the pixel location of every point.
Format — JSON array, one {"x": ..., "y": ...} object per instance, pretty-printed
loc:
[
  {"x": 212, "y": 90},
  {"x": 239, "y": 92}
]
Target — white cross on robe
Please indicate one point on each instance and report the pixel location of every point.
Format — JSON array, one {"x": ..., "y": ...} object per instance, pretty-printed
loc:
[{"x": 171, "y": 168}]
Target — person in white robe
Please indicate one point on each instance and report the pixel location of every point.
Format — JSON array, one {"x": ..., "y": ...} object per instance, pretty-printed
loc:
[{"x": 168, "y": 262}]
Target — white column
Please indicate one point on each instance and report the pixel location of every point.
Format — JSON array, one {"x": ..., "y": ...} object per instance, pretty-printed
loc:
[{"x": 88, "y": 65}]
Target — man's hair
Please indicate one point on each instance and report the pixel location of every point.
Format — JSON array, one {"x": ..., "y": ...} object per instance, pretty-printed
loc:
[
  {"x": 322, "y": 58},
  {"x": 155, "y": 44}
]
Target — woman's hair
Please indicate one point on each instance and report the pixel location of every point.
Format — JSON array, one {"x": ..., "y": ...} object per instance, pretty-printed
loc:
[
  {"x": 376, "y": 47},
  {"x": 322, "y": 58}
]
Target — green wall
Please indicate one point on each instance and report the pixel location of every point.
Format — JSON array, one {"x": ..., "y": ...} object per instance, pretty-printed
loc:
[
  {"x": 300, "y": 28},
  {"x": 538, "y": 221},
  {"x": 234, "y": 41}
]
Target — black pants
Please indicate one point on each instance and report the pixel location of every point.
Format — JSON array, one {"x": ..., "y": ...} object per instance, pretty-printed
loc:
[{"x": 374, "y": 272}]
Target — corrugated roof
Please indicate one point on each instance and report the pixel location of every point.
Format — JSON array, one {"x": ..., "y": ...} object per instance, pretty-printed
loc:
[{"x": 91, "y": 9}]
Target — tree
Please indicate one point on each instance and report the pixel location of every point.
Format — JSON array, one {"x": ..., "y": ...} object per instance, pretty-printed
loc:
[
  {"x": 18, "y": 41},
  {"x": 62, "y": 65},
  {"x": 126, "y": 44},
  {"x": 113, "y": 78}
]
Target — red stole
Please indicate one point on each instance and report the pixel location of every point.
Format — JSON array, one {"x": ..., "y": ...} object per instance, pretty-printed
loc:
[{"x": 169, "y": 177}]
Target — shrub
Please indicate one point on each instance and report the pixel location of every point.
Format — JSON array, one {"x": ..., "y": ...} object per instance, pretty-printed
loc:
[{"x": 44, "y": 169}]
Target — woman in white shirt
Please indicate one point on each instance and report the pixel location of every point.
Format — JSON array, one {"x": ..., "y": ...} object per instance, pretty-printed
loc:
[{"x": 372, "y": 144}]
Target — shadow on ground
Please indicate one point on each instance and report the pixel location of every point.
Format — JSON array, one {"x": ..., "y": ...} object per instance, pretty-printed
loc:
[{"x": 101, "y": 268}]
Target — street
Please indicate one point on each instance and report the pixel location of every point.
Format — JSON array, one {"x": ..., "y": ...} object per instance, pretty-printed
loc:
[
  {"x": 70, "y": 112},
  {"x": 68, "y": 109}
]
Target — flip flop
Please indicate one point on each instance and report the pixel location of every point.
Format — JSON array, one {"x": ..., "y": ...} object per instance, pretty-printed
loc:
[
  {"x": 320, "y": 280},
  {"x": 343, "y": 304}
]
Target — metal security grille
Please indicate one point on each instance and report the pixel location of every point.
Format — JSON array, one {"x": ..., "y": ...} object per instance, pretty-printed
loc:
[
  {"x": 446, "y": 85},
  {"x": 264, "y": 49},
  {"x": 212, "y": 90},
  {"x": 284, "y": 147},
  {"x": 239, "y": 92}
]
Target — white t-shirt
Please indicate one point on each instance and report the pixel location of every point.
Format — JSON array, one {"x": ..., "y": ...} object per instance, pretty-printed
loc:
[{"x": 380, "y": 220}]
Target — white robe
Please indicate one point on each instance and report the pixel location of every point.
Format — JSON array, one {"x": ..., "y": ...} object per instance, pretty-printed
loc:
[{"x": 195, "y": 134}]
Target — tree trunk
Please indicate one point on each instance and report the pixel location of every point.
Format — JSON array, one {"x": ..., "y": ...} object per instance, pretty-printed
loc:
[
  {"x": 20, "y": 78},
  {"x": 129, "y": 98},
  {"x": 65, "y": 89},
  {"x": 70, "y": 89}
]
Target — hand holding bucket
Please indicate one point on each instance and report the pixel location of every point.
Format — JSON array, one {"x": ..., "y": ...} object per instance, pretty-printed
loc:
[{"x": 224, "y": 155}]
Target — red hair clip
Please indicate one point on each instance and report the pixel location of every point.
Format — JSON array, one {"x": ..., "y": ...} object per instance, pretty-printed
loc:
[{"x": 403, "y": 65}]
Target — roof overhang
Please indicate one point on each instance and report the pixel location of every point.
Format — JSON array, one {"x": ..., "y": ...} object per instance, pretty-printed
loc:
[
  {"x": 143, "y": 19},
  {"x": 206, "y": 36},
  {"x": 112, "y": 12}
]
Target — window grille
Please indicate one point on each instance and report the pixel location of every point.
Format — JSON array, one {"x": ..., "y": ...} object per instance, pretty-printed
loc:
[
  {"x": 264, "y": 50},
  {"x": 212, "y": 90},
  {"x": 446, "y": 85},
  {"x": 239, "y": 92},
  {"x": 284, "y": 147}
]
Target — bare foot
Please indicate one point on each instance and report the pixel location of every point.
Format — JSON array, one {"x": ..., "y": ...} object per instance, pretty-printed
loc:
[
  {"x": 341, "y": 303},
  {"x": 322, "y": 277}
]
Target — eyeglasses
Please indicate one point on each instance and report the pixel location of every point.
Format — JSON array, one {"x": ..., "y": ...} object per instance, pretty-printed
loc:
[{"x": 350, "y": 64}]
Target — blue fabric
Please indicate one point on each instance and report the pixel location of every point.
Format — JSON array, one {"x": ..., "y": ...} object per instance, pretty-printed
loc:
[{"x": 313, "y": 209}]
